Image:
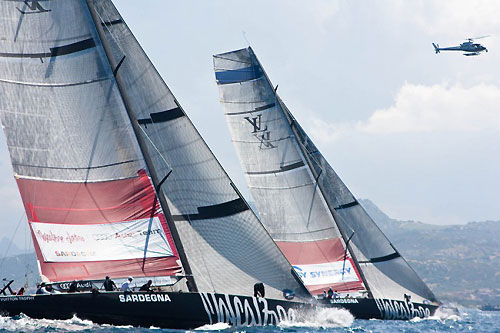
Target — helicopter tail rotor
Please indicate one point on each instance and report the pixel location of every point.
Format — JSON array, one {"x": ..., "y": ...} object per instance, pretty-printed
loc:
[{"x": 436, "y": 48}]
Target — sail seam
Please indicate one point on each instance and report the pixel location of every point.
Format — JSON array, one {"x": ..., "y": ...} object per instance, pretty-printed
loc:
[
  {"x": 260, "y": 142},
  {"x": 234, "y": 60},
  {"x": 242, "y": 81},
  {"x": 17, "y": 176},
  {"x": 242, "y": 102},
  {"x": 305, "y": 232},
  {"x": 54, "y": 85},
  {"x": 75, "y": 168},
  {"x": 281, "y": 188}
]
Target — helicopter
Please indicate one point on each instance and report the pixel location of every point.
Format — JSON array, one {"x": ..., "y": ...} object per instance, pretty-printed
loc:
[{"x": 469, "y": 47}]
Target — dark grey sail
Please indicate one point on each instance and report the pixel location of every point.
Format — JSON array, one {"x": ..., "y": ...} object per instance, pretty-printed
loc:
[
  {"x": 300, "y": 198},
  {"x": 226, "y": 246}
]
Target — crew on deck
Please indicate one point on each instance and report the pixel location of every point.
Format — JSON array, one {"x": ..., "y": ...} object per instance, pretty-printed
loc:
[
  {"x": 73, "y": 287},
  {"x": 146, "y": 286},
  {"x": 109, "y": 285},
  {"x": 126, "y": 286},
  {"x": 42, "y": 289}
]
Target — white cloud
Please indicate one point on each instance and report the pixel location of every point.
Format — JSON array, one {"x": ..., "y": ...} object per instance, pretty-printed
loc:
[
  {"x": 450, "y": 17},
  {"x": 420, "y": 108},
  {"x": 323, "y": 132}
]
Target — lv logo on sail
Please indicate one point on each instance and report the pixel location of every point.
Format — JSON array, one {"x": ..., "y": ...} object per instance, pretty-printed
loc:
[
  {"x": 260, "y": 133},
  {"x": 35, "y": 7}
]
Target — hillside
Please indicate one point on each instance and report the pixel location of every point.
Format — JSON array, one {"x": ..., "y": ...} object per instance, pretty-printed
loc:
[
  {"x": 460, "y": 263},
  {"x": 8, "y": 247}
]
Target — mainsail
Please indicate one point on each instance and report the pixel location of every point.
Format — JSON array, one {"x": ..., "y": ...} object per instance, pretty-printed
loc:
[
  {"x": 90, "y": 203},
  {"x": 102, "y": 151},
  {"x": 310, "y": 213}
]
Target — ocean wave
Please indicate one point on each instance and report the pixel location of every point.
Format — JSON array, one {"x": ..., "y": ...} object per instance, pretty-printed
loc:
[
  {"x": 25, "y": 323},
  {"x": 321, "y": 318},
  {"x": 213, "y": 327}
]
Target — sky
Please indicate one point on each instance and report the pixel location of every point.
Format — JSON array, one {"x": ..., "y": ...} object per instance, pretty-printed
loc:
[{"x": 417, "y": 133}]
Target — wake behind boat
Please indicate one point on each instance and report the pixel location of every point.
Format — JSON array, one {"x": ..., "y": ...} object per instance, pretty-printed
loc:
[{"x": 116, "y": 180}]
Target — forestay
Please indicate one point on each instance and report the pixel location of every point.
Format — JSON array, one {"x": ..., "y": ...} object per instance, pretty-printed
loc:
[
  {"x": 225, "y": 244},
  {"x": 303, "y": 203}
]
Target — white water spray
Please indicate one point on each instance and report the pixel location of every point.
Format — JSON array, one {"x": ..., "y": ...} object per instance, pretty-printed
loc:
[
  {"x": 25, "y": 323},
  {"x": 213, "y": 327},
  {"x": 321, "y": 318}
]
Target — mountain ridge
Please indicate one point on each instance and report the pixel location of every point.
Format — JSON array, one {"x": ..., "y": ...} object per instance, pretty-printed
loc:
[{"x": 460, "y": 263}]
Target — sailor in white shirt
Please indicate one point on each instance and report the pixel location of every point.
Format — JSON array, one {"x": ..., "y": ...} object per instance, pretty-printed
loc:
[{"x": 126, "y": 286}]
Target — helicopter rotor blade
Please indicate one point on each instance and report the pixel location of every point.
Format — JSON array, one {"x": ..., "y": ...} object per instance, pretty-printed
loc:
[{"x": 472, "y": 38}]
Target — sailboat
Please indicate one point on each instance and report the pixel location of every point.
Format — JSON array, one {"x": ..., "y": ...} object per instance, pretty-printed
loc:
[
  {"x": 116, "y": 181},
  {"x": 316, "y": 221}
]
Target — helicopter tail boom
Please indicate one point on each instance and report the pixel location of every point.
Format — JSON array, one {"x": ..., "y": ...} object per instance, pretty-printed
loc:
[{"x": 436, "y": 47}]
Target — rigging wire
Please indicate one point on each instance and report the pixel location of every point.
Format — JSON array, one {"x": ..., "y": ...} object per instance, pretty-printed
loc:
[
  {"x": 108, "y": 29},
  {"x": 245, "y": 37},
  {"x": 155, "y": 148},
  {"x": 11, "y": 241}
]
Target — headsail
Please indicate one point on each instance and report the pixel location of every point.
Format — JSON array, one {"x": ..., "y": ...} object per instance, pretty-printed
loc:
[
  {"x": 307, "y": 209},
  {"x": 85, "y": 105}
]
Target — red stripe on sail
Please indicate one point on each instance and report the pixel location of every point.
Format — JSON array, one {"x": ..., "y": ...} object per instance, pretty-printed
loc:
[
  {"x": 316, "y": 252},
  {"x": 321, "y": 252},
  {"x": 97, "y": 203},
  {"x": 88, "y": 203},
  {"x": 344, "y": 287}
]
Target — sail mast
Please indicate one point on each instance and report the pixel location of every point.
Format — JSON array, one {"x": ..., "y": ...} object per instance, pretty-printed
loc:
[
  {"x": 291, "y": 122},
  {"x": 142, "y": 145}
]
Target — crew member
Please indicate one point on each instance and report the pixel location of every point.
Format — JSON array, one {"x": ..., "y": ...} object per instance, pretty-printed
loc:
[
  {"x": 109, "y": 285},
  {"x": 51, "y": 290},
  {"x": 126, "y": 287},
  {"x": 330, "y": 292},
  {"x": 258, "y": 290},
  {"x": 146, "y": 286},
  {"x": 41, "y": 289},
  {"x": 73, "y": 287}
]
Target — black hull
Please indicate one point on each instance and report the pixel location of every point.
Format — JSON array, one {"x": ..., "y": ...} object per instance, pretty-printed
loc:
[{"x": 191, "y": 310}]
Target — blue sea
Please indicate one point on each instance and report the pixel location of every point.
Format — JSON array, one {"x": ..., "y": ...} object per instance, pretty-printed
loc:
[{"x": 330, "y": 320}]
